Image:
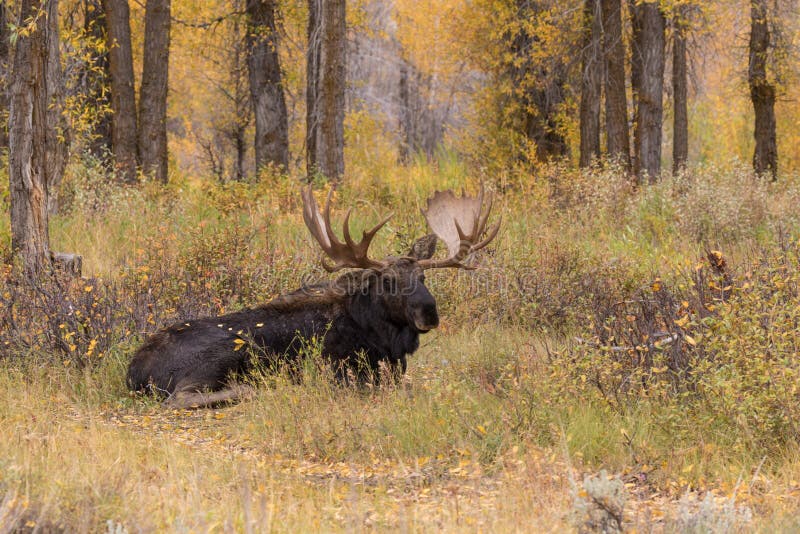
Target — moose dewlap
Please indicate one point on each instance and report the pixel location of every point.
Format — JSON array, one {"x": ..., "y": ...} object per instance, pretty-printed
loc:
[{"x": 372, "y": 314}]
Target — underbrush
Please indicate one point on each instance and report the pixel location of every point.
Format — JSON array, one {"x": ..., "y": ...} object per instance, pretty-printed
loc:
[
  {"x": 715, "y": 351},
  {"x": 648, "y": 332}
]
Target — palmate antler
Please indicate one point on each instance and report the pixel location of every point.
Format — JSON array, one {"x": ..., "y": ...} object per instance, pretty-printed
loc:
[
  {"x": 449, "y": 216},
  {"x": 345, "y": 255}
]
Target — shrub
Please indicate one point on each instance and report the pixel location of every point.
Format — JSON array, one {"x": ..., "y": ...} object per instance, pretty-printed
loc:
[
  {"x": 599, "y": 505},
  {"x": 715, "y": 351},
  {"x": 712, "y": 515},
  {"x": 749, "y": 378}
]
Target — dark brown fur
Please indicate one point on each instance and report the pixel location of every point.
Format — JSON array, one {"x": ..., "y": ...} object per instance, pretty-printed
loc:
[{"x": 363, "y": 317}]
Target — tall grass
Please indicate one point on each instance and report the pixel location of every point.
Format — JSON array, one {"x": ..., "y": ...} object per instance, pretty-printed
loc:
[{"x": 538, "y": 372}]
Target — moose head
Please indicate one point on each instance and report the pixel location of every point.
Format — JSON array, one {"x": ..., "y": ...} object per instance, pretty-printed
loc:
[{"x": 396, "y": 285}]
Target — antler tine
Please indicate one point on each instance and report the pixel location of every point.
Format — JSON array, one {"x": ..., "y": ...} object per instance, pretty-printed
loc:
[
  {"x": 484, "y": 216},
  {"x": 489, "y": 237},
  {"x": 367, "y": 235},
  {"x": 328, "y": 226},
  {"x": 347, "y": 254},
  {"x": 346, "y": 229},
  {"x": 310, "y": 216},
  {"x": 480, "y": 204}
]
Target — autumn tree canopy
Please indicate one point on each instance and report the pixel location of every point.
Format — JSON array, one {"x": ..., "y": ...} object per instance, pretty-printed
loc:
[{"x": 220, "y": 89}]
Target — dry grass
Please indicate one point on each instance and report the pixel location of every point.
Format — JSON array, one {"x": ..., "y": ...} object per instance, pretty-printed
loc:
[
  {"x": 437, "y": 454},
  {"x": 77, "y": 459},
  {"x": 494, "y": 430}
]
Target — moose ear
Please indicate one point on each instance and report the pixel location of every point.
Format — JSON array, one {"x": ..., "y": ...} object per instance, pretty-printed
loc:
[{"x": 423, "y": 248}]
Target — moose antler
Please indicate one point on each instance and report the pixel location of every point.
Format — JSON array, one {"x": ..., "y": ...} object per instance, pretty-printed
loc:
[
  {"x": 347, "y": 254},
  {"x": 449, "y": 216}
]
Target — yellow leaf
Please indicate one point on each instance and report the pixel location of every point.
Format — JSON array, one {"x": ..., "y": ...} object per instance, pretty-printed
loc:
[
  {"x": 238, "y": 343},
  {"x": 687, "y": 469},
  {"x": 690, "y": 340},
  {"x": 656, "y": 286}
]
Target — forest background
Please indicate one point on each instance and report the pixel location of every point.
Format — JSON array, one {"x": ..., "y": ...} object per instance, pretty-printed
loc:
[{"x": 637, "y": 314}]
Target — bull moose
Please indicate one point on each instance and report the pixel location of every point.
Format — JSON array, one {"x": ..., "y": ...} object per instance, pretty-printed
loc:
[{"x": 372, "y": 314}]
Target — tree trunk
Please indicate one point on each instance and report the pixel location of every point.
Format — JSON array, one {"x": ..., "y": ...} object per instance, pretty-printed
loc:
[
  {"x": 617, "y": 137},
  {"x": 591, "y": 84},
  {"x": 266, "y": 89},
  {"x": 326, "y": 87},
  {"x": 5, "y": 69},
  {"x": 241, "y": 151},
  {"x": 540, "y": 86},
  {"x": 406, "y": 126},
  {"x": 153, "y": 92},
  {"x": 680, "y": 129},
  {"x": 312, "y": 82},
  {"x": 762, "y": 91},
  {"x": 636, "y": 83},
  {"x": 648, "y": 84},
  {"x": 123, "y": 96},
  {"x": 37, "y": 151},
  {"x": 96, "y": 77},
  {"x": 57, "y": 134}
]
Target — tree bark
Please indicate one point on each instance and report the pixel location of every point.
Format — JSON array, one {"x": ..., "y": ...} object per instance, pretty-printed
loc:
[
  {"x": 266, "y": 88},
  {"x": 153, "y": 92},
  {"x": 762, "y": 91},
  {"x": 123, "y": 95},
  {"x": 591, "y": 82},
  {"x": 57, "y": 134},
  {"x": 647, "y": 60},
  {"x": 406, "y": 126},
  {"x": 326, "y": 90},
  {"x": 636, "y": 83},
  {"x": 5, "y": 68},
  {"x": 680, "y": 129},
  {"x": 617, "y": 137},
  {"x": 96, "y": 78},
  {"x": 312, "y": 82},
  {"x": 37, "y": 148}
]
